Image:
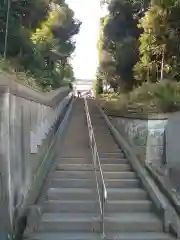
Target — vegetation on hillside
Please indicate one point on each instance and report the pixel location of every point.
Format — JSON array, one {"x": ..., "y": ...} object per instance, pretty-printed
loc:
[
  {"x": 138, "y": 49},
  {"x": 149, "y": 98},
  {"x": 40, "y": 41}
]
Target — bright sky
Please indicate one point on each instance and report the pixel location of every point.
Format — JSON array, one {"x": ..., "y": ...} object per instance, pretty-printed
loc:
[{"x": 86, "y": 56}]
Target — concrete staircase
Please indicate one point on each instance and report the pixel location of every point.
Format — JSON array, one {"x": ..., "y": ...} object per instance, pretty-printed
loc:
[
  {"x": 129, "y": 212},
  {"x": 69, "y": 200}
]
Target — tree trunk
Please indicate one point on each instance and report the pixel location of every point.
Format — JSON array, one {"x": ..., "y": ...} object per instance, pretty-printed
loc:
[
  {"x": 63, "y": 63},
  {"x": 162, "y": 64}
]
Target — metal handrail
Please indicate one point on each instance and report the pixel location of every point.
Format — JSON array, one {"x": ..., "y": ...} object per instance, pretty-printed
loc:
[{"x": 103, "y": 194}]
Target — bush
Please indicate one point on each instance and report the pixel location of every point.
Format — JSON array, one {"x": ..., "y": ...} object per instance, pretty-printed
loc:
[
  {"x": 149, "y": 98},
  {"x": 97, "y": 87},
  {"x": 19, "y": 74},
  {"x": 167, "y": 96}
]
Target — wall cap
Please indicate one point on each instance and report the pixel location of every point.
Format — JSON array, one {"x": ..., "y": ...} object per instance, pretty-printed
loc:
[{"x": 8, "y": 84}]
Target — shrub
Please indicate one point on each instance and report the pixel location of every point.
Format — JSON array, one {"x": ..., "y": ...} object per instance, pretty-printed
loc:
[{"x": 157, "y": 97}]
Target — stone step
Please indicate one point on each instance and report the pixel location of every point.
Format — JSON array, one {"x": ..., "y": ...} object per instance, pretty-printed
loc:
[
  {"x": 71, "y": 206},
  {"x": 97, "y": 117},
  {"x": 116, "y": 167},
  {"x": 99, "y": 127},
  {"x": 69, "y": 222},
  {"x": 71, "y": 193},
  {"x": 99, "y": 135},
  {"x": 66, "y": 236},
  {"x": 100, "y": 124},
  {"x": 87, "y": 183},
  {"x": 87, "y": 206},
  {"x": 74, "y": 167},
  {"x": 73, "y": 160},
  {"x": 75, "y": 222},
  {"x": 109, "y": 142},
  {"x": 90, "y": 175},
  {"x": 113, "y": 161},
  {"x": 101, "y": 132},
  {"x": 128, "y": 206},
  {"x": 138, "y": 236},
  {"x": 122, "y": 183},
  {"x": 74, "y": 174},
  {"x": 103, "y": 148},
  {"x": 118, "y": 152},
  {"x": 126, "y": 194},
  {"x": 119, "y": 175},
  {"x": 70, "y": 183},
  {"x": 90, "y": 167},
  {"x": 96, "y": 236},
  {"x": 110, "y": 145},
  {"x": 72, "y": 150},
  {"x": 107, "y": 139},
  {"x": 133, "y": 222},
  {"x": 104, "y": 136},
  {"x": 114, "y": 155}
]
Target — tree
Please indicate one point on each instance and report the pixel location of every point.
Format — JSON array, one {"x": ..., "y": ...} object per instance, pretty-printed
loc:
[
  {"x": 153, "y": 42},
  {"x": 159, "y": 42},
  {"x": 68, "y": 72},
  {"x": 98, "y": 83},
  {"x": 40, "y": 37},
  {"x": 119, "y": 41}
]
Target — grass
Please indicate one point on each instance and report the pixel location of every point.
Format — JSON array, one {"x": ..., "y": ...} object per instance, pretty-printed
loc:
[
  {"x": 18, "y": 74},
  {"x": 150, "y": 98}
]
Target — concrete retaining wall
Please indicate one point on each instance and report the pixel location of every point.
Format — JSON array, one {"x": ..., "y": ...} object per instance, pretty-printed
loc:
[
  {"x": 145, "y": 136},
  {"x": 155, "y": 142},
  {"x": 27, "y": 128},
  {"x": 161, "y": 199}
]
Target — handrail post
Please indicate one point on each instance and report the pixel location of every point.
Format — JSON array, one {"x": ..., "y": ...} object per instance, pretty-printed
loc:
[{"x": 102, "y": 214}]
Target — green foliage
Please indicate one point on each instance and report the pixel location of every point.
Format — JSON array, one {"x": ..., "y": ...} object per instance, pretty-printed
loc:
[
  {"x": 149, "y": 98},
  {"x": 159, "y": 42},
  {"x": 168, "y": 96},
  {"x": 139, "y": 42},
  {"x": 98, "y": 84},
  {"x": 13, "y": 71},
  {"x": 39, "y": 38},
  {"x": 118, "y": 44},
  {"x": 68, "y": 72}
]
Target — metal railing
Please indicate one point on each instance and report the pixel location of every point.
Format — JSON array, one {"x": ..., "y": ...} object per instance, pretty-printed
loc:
[{"x": 101, "y": 187}]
